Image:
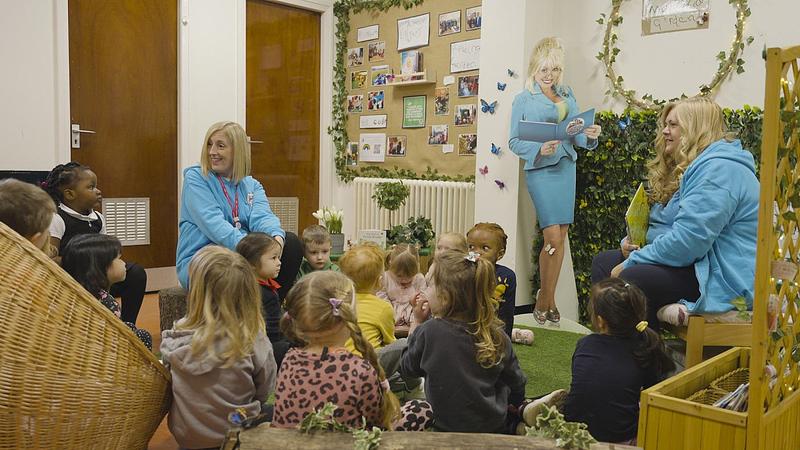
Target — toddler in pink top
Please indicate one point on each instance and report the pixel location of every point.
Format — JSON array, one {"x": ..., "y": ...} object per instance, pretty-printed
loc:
[{"x": 401, "y": 283}]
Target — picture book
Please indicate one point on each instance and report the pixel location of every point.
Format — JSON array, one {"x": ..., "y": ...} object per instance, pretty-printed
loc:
[
  {"x": 637, "y": 217},
  {"x": 564, "y": 130}
]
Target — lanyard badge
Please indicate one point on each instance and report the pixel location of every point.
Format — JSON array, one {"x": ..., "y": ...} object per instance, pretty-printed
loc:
[{"x": 233, "y": 204}]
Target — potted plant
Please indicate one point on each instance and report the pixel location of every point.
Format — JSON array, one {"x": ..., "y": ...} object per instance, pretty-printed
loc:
[
  {"x": 331, "y": 218},
  {"x": 391, "y": 195},
  {"x": 417, "y": 230}
]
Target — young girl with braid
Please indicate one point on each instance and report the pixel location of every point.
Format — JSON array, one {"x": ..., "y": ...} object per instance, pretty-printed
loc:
[{"x": 320, "y": 313}]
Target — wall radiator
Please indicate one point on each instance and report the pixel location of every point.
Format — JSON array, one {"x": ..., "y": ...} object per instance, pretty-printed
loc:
[{"x": 449, "y": 205}]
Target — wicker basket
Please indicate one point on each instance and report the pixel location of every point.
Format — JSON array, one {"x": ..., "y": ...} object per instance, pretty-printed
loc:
[
  {"x": 707, "y": 396},
  {"x": 71, "y": 374},
  {"x": 732, "y": 380}
]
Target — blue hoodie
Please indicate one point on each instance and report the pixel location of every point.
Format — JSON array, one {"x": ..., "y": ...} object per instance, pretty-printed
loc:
[
  {"x": 536, "y": 107},
  {"x": 206, "y": 216},
  {"x": 715, "y": 228}
]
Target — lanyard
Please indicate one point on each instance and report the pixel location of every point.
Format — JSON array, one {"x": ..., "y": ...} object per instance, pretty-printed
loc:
[{"x": 233, "y": 204}]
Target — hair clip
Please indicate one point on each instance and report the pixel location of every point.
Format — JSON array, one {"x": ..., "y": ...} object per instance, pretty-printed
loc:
[
  {"x": 385, "y": 385},
  {"x": 335, "y": 303},
  {"x": 627, "y": 285},
  {"x": 641, "y": 326},
  {"x": 472, "y": 256}
]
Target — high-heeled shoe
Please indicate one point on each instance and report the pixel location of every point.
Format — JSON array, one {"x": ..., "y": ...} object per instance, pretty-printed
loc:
[
  {"x": 540, "y": 316},
  {"x": 553, "y": 315}
]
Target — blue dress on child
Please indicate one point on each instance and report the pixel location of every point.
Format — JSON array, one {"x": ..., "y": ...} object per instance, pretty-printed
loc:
[{"x": 550, "y": 178}]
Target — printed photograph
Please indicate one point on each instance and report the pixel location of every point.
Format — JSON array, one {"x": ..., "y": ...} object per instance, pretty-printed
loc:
[
  {"x": 438, "y": 135},
  {"x": 379, "y": 75},
  {"x": 375, "y": 100},
  {"x": 467, "y": 143},
  {"x": 351, "y": 155},
  {"x": 468, "y": 86},
  {"x": 396, "y": 145},
  {"x": 473, "y": 16},
  {"x": 376, "y": 51},
  {"x": 465, "y": 115},
  {"x": 358, "y": 79},
  {"x": 355, "y": 103},
  {"x": 355, "y": 56},
  {"x": 441, "y": 101},
  {"x": 450, "y": 23}
]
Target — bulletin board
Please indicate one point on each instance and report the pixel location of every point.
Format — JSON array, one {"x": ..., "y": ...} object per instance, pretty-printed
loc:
[{"x": 375, "y": 110}]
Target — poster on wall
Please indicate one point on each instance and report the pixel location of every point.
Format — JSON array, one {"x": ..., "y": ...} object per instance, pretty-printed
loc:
[
  {"x": 465, "y": 55},
  {"x": 367, "y": 33},
  {"x": 371, "y": 147},
  {"x": 414, "y": 111},
  {"x": 663, "y": 16},
  {"x": 396, "y": 146},
  {"x": 375, "y": 121},
  {"x": 473, "y": 18},
  {"x": 413, "y": 32}
]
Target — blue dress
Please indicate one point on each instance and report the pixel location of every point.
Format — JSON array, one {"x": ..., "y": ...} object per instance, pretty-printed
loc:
[{"x": 550, "y": 178}]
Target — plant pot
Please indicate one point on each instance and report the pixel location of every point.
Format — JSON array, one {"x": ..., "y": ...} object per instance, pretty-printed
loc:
[{"x": 337, "y": 243}]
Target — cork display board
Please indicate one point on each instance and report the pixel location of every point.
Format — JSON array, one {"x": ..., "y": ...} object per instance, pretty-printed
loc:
[{"x": 412, "y": 82}]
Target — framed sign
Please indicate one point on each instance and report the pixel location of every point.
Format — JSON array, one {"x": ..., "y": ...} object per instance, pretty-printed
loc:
[
  {"x": 465, "y": 55},
  {"x": 413, "y": 32},
  {"x": 414, "y": 111}
]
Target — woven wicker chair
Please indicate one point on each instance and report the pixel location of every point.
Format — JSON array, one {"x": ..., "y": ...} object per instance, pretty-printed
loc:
[{"x": 71, "y": 374}]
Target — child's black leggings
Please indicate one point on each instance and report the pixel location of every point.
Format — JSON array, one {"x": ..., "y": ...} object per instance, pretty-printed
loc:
[{"x": 131, "y": 290}]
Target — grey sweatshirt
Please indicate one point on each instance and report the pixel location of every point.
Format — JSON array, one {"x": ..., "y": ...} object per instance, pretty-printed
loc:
[{"x": 204, "y": 393}]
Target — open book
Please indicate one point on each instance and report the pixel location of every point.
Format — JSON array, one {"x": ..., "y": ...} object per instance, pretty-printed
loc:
[
  {"x": 638, "y": 217},
  {"x": 564, "y": 130}
]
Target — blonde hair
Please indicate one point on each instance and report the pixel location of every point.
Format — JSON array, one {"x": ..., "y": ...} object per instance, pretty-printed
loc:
[
  {"x": 223, "y": 306},
  {"x": 548, "y": 52},
  {"x": 464, "y": 289},
  {"x": 315, "y": 234},
  {"x": 459, "y": 239},
  {"x": 241, "y": 149},
  {"x": 363, "y": 263},
  {"x": 701, "y": 123},
  {"x": 25, "y": 208},
  {"x": 403, "y": 260},
  {"x": 309, "y": 311}
]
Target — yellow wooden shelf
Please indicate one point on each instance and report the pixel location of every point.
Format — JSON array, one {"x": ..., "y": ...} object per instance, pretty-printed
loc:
[{"x": 428, "y": 78}]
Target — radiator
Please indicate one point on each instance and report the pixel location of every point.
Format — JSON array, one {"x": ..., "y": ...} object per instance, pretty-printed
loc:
[{"x": 449, "y": 205}]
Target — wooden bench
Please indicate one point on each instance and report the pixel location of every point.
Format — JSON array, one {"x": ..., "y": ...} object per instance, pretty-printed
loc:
[{"x": 700, "y": 334}]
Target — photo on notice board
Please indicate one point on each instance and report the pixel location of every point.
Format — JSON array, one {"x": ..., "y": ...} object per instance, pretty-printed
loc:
[
  {"x": 467, "y": 144},
  {"x": 414, "y": 111},
  {"x": 377, "y": 51},
  {"x": 413, "y": 32},
  {"x": 375, "y": 100},
  {"x": 358, "y": 79},
  {"x": 355, "y": 103},
  {"x": 379, "y": 75},
  {"x": 372, "y": 147},
  {"x": 473, "y": 18},
  {"x": 468, "y": 86},
  {"x": 441, "y": 101},
  {"x": 355, "y": 56},
  {"x": 465, "y": 115},
  {"x": 396, "y": 146},
  {"x": 465, "y": 55},
  {"x": 450, "y": 23},
  {"x": 438, "y": 135},
  {"x": 351, "y": 155}
]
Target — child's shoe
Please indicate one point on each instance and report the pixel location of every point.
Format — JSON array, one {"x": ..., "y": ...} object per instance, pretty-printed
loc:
[
  {"x": 532, "y": 410},
  {"x": 522, "y": 336}
]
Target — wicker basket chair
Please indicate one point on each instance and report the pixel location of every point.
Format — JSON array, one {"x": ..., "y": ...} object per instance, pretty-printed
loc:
[{"x": 72, "y": 375}]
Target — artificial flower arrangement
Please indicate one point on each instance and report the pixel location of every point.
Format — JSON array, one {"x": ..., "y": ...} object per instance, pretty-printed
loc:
[{"x": 331, "y": 218}]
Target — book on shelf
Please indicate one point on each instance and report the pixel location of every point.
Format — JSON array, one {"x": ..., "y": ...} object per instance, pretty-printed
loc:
[{"x": 410, "y": 62}]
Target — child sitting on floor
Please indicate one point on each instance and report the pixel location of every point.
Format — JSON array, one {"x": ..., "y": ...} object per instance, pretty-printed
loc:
[
  {"x": 219, "y": 356},
  {"x": 263, "y": 253},
  {"x": 320, "y": 312},
  {"x": 611, "y": 366},
  {"x": 401, "y": 283},
  {"x": 446, "y": 241},
  {"x": 489, "y": 241},
  {"x": 27, "y": 210},
  {"x": 316, "y": 251},
  {"x": 95, "y": 261}
]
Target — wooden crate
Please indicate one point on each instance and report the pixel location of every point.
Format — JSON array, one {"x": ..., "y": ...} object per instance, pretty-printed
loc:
[{"x": 667, "y": 421}]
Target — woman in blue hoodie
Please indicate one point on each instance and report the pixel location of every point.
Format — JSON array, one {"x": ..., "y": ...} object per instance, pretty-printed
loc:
[
  {"x": 701, "y": 242},
  {"x": 221, "y": 203}
]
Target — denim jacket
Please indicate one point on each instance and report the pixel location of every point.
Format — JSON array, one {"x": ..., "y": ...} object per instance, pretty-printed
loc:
[{"x": 535, "y": 106}]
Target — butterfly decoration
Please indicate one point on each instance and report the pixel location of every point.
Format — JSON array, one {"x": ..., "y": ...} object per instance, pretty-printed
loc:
[
  {"x": 623, "y": 124},
  {"x": 511, "y": 73},
  {"x": 483, "y": 170},
  {"x": 501, "y": 86},
  {"x": 500, "y": 184},
  {"x": 495, "y": 149},
  {"x": 488, "y": 107}
]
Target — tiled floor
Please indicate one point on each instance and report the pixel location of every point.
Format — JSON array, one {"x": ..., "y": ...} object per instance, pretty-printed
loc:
[{"x": 148, "y": 319}]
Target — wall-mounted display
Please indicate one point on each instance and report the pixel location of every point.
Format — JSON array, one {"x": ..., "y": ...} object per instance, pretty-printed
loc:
[
  {"x": 413, "y": 32},
  {"x": 468, "y": 86},
  {"x": 358, "y": 79},
  {"x": 377, "y": 51},
  {"x": 351, "y": 155},
  {"x": 374, "y": 121},
  {"x": 375, "y": 100},
  {"x": 465, "y": 55},
  {"x": 396, "y": 146},
  {"x": 355, "y": 56},
  {"x": 465, "y": 115},
  {"x": 441, "y": 101},
  {"x": 438, "y": 135},
  {"x": 372, "y": 147},
  {"x": 467, "y": 144},
  {"x": 473, "y": 18},
  {"x": 355, "y": 103},
  {"x": 450, "y": 23},
  {"x": 414, "y": 111},
  {"x": 379, "y": 75},
  {"x": 367, "y": 33}
]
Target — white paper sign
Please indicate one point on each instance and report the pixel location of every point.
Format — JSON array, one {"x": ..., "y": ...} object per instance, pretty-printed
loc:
[
  {"x": 661, "y": 16},
  {"x": 367, "y": 33},
  {"x": 465, "y": 55},
  {"x": 448, "y": 80},
  {"x": 376, "y": 236},
  {"x": 376, "y": 121},
  {"x": 448, "y": 148},
  {"x": 372, "y": 147},
  {"x": 413, "y": 32}
]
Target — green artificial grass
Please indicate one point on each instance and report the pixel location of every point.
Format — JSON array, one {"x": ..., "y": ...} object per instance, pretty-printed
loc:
[{"x": 548, "y": 362}]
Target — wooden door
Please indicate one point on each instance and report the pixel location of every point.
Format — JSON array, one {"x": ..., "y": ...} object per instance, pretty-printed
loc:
[
  {"x": 123, "y": 86},
  {"x": 283, "y": 65}
]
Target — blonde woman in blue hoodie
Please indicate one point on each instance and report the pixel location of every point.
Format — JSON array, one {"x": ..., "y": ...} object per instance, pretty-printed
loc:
[
  {"x": 701, "y": 245},
  {"x": 221, "y": 203}
]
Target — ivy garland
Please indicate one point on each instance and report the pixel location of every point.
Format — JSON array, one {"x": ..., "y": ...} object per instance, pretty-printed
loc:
[
  {"x": 727, "y": 61},
  {"x": 338, "y": 130}
]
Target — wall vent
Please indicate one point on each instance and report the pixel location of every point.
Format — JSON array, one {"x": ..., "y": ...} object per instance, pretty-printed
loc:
[
  {"x": 287, "y": 209},
  {"x": 128, "y": 219}
]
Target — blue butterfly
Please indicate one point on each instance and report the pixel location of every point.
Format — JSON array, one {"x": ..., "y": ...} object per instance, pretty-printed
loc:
[
  {"x": 512, "y": 74},
  {"x": 623, "y": 124},
  {"x": 488, "y": 107},
  {"x": 501, "y": 86},
  {"x": 495, "y": 149}
]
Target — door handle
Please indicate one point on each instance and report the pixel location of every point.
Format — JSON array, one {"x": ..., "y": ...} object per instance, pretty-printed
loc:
[
  {"x": 76, "y": 134},
  {"x": 253, "y": 141}
]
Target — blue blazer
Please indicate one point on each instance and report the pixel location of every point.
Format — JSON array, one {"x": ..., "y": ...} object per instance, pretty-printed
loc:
[{"x": 535, "y": 106}]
